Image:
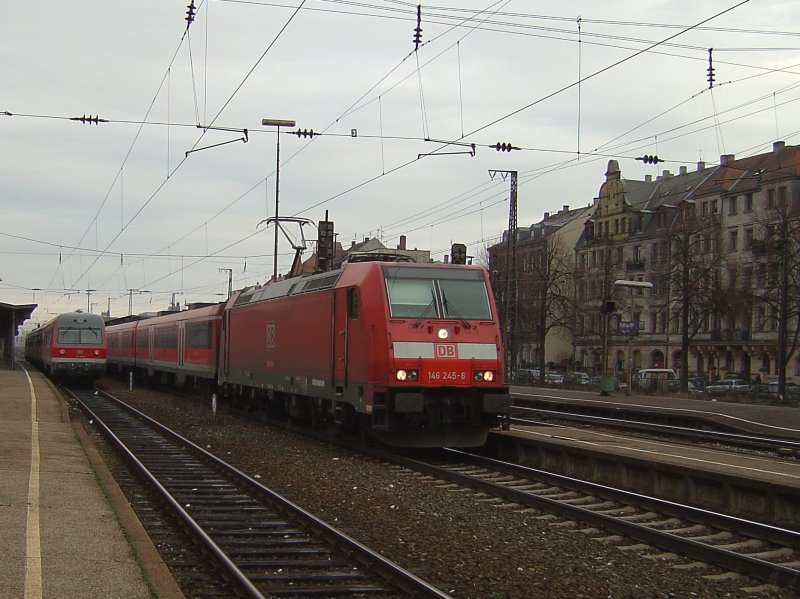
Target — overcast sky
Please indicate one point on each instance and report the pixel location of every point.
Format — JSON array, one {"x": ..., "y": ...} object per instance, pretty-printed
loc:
[{"x": 119, "y": 205}]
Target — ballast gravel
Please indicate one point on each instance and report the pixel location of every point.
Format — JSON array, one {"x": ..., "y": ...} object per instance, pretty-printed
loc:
[{"x": 467, "y": 544}]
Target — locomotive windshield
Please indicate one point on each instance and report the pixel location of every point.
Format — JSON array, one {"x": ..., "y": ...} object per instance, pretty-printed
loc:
[
  {"x": 80, "y": 336},
  {"x": 457, "y": 293}
]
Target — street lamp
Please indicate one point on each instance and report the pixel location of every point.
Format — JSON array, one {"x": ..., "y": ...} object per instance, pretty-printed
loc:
[
  {"x": 88, "y": 299},
  {"x": 632, "y": 325},
  {"x": 278, "y": 123},
  {"x": 130, "y": 298}
]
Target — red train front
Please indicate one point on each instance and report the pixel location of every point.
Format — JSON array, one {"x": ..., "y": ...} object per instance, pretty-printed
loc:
[
  {"x": 408, "y": 353},
  {"x": 71, "y": 346}
]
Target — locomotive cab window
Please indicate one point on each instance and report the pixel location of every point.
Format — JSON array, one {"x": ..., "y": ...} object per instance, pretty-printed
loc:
[
  {"x": 352, "y": 303},
  {"x": 457, "y": 293},
  {"x": 76, "y": 336}
]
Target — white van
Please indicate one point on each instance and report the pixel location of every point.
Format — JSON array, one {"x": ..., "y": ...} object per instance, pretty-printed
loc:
[{"x": 651, "y": 378}]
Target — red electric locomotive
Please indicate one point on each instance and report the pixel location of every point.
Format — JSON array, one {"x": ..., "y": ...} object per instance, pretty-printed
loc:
[
  {"x": 408, "y": 353},
  {"x": 71, "y": 346}
]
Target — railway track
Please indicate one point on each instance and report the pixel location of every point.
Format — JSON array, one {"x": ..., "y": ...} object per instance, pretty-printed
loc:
[
  {"x": 749, "y": 548},
  {"x": 261, "y": 543},
  {"x": 777, "y": 445}
]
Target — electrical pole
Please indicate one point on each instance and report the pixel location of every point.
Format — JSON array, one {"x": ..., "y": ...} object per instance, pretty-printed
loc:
[
  {"x": 510, "y": 307},
  {"x": 230, "y": 277}
]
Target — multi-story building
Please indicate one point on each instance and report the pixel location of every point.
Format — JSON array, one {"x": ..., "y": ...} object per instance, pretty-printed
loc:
[
  {"x": 720, "y": 246},
  {"x": 544, "y": 256}
]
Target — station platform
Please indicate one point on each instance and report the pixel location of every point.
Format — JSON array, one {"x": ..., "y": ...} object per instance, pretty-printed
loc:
[
  {"x": 66, "y": 529},
  {"x": 750, "y": 418}
]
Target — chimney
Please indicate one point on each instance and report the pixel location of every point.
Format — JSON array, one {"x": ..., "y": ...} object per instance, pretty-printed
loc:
[
  {"x": 366, "y": 239},
  {"x": 778, "y": 146},
  {"x": 546, "y": 216},
  {"x": 701, "y": 166},
  {"x": 353, "y": 243},
  {"x": 402, "y": 245},
  {"x": 566, "y": 208},
  {"x": 648, "y": 178},
  {"x": 682, "y": 170},
  {"x": 726, "y": 158},
  {"x": 447, "y": 259},
  {"x": 666, "y": 174}
]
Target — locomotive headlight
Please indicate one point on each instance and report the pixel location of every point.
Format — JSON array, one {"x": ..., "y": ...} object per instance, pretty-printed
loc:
[
  {"x": 443, "y": 334},
  {"x": 97, "y": 352},
  {"x": 407, "y": 375},
  {"x": 62, "y": 351},
  {"x": 488, "y": 376}
]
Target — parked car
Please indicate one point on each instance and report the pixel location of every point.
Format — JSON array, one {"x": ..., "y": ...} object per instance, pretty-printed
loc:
[
  {"x": 554, "y": 378},
  {"x": 727, "y": 387},
  {"x": 650, "y": 379},
  {"x": 577, "y": 378},
  {"x": 524, "y": 375},
  {"x": 771, "y": 390}
]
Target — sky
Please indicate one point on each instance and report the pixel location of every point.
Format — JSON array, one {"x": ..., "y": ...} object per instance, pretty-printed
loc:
[{"x": 164, "y": 196}]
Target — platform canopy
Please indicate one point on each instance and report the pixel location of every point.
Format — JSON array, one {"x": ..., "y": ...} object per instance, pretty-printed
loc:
[{"x": 11, "y": 318}]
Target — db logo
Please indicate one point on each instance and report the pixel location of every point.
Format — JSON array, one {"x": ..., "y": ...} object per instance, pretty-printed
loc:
[
  {"x": 446, "y": 350},
  {"x": 271, "y": 335}
]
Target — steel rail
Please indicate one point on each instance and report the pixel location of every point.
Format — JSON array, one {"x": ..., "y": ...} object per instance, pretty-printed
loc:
[
  {"x": 238, "y": 578},
  {"x": 405, "y": 580},
  {"x": 738, "y": 439},
  {"x": 744, "y": 564}
]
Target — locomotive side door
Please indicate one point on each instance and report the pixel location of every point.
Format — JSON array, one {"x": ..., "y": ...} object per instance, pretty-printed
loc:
[{"x": 340, "y": 323}]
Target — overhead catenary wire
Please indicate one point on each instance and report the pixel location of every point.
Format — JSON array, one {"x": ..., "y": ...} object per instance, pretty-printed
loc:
[{"x": 95, "y": 224}]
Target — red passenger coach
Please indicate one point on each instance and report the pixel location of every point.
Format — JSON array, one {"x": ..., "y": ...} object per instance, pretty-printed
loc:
[
  {"x": 175, "y": 347},
  {"x": 71, "y": 346},
  {"x": 408, "y": 353}
]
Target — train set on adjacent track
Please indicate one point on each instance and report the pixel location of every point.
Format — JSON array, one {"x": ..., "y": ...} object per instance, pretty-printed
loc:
[
  {"x": 71, "y": 346},
  {"x": 407, "y": 353}
]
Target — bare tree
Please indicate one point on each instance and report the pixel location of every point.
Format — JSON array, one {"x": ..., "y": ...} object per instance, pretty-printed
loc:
[
  {"x": 776, "y": 254},
  {"x": 546, "y": 293},
  {"x": 693, "y": 273}
]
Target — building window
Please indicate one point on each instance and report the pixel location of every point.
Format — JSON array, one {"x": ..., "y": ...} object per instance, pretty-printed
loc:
[
  {"x": 704, "y": 208},
  {"x": 782, "y": 196},
  {"x": 713, "y": 206},
  {"x": 732, "y": 204},
  {"x": 748, "y": 238},
  {"x": 619, "y": 256},
  {"x": 748, "y": 202},
  {"x": 770, "y": 199},
  {"x": 733, "y": 238}
]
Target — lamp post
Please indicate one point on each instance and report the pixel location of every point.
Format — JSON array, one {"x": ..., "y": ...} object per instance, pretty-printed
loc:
[
  {"x": 630, "y": 286},
  {"x": 277, "y": 123},
  {"x": 130, "y": 298},
  {"x": 88, "y": 300}
]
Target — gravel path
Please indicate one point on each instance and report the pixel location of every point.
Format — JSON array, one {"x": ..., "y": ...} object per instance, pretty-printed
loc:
[{"x": 467, "y": 544}]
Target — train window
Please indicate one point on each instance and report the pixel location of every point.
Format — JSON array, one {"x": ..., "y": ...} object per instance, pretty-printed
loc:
[
  {"x": 72, "y": 336},
  {"x": 412, "y": 298},
  {"x": 142, "y": 338},
  {"x": 352, "y": 303},
  {"x": 165, "y": 338},
  {"x": 419, "y": 292},
  {"x": 465, "y": 299},
  {"x": 198, "y": 335}
]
